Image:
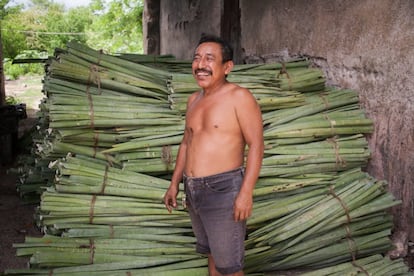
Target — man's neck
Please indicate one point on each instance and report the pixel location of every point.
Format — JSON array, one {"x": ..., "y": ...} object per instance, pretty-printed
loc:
[{"x": 213, "y": 89}]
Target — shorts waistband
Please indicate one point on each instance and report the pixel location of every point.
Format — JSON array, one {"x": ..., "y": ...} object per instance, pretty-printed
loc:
[{"x": 215, "y": 177}]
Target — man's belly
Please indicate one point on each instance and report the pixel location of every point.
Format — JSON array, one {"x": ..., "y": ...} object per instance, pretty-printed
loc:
[{"x": 212, "y": 157}]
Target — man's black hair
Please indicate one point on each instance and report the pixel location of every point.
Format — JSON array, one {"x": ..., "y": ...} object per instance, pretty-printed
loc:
[{"x": 226, "y": 49}]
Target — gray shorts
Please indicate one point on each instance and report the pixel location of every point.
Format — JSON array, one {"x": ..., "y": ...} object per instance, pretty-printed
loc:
[{"x": 210, "y": 203}]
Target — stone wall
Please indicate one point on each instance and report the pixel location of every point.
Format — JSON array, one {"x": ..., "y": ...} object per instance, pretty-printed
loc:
[{"x": 365, "y": 45}]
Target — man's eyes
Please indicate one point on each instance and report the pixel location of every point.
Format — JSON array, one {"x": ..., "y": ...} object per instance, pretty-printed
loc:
[{"x": 208, "y": 58}]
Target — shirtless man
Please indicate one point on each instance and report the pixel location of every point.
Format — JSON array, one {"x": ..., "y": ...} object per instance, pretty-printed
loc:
[{"x": 222, "y": 118}]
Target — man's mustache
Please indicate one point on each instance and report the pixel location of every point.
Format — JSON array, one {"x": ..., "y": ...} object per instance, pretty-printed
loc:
[{"x": 203, "y": 71}]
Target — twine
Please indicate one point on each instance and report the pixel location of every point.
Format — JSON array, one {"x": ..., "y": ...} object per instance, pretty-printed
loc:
[
  {"x": 166, "y": 155},
  {"x": 93, "y": 77},
  {"x": 95, "y": 143},
  {"x": 91, "y": 209},
  {"x": 351, "y": 243},
  {"x": 104, "y": 180},
  {"x": 111, "y": 231},
  {"x": 324, "y": 100},
  {"x": 92, "y": 251},
  {"x": 283, "y": 71},
  {"x": 338, "y": 159}
]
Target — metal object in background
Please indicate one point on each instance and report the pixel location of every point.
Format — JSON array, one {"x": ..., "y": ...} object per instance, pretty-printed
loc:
[{"x": 9, "y": 130}]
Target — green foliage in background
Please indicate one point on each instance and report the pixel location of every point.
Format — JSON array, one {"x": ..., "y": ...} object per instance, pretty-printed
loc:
[
  {"x": 13, "y": 41},
  {"x": 13, "y": 71},
  {"x": 42, "y": 26},
  {"x": 10, "y": 100},
  {"x": 117, "y": 26}
]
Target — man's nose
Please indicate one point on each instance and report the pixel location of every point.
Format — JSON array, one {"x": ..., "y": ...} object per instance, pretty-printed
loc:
[{"x": 201, "y": 63}]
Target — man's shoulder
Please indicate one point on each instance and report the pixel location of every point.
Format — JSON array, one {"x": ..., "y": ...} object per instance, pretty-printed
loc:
[
  {"x": 195, "y": 94},
  {"x": 235, "y": 88},
  {"x": 242, "y": 98},
  {"x": 193, "y": 97},
  {"x": 240, "y": 91}
]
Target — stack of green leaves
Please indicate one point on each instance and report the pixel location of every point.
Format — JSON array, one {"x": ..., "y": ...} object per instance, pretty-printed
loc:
[
  {"x": 122, "y": 123},
  {"x": 90, "y": 97}
]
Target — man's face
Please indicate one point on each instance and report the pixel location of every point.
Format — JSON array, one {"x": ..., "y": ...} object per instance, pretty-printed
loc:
[{"x": 207, "y": 66}]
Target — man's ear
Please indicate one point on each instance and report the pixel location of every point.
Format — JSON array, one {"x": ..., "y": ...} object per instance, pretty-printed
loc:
[{"x": 228, "y": 67}]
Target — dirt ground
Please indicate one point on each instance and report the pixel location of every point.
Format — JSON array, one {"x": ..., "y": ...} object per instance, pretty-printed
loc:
[
  {"x": 16, "y": 222},
  {"x": 17, "y": 218}
]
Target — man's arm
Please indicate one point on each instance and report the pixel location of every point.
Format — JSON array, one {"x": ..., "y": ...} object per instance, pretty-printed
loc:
[
  {"x": 251, "y": 124},
  {"x": 170, "y": 197}
]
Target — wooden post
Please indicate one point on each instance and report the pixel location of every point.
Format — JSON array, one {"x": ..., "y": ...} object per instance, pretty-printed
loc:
[
  {"x": 231, "y": 27},
  {"x": 2, "y": 79},
  {"x": 151, "y": 27}
]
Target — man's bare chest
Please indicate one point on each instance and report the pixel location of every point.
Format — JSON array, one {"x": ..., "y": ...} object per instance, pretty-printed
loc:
[{"x": 216, "y": 115}]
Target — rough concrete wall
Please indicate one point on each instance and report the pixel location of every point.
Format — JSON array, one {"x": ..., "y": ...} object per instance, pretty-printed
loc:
[
  {"x": 365, "y": 45},
  {"x": 183, "y": 21}
]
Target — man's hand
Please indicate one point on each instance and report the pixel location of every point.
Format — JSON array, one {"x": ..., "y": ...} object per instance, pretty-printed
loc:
[
  {"x": 170, "y": 198},
  {"x": 243, "y": 206}
]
